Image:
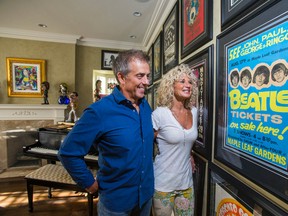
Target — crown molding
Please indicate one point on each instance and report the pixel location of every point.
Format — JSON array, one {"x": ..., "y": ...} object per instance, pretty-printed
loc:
[
  {"x": 38, "y": 36},
  {"x": 108, "y": 44},
  {"x": 162, "y": 11}
]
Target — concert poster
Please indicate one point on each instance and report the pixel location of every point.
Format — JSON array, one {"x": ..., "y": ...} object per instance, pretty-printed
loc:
[
  {"x": 252, "y": 99},
  {"x": 194, "y": 21}
]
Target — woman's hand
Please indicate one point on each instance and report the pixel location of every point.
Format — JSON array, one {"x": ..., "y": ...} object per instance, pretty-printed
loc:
[{"x": 193, "y": 164}]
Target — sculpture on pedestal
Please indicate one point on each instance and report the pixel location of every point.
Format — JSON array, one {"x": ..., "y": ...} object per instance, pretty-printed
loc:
[
  {"x": 63, "y": 98},
  {"x": 73, "y": 105},
  {"x": 45, "y": 87}
]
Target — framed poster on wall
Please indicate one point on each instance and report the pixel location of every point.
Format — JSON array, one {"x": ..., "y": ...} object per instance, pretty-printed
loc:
[
  {"x": 157, "y": 58},
  {"x": 229, "y": 196},
  {"x": 171, "y": 40},
  {"x": 155, "y": 92},
  {"x": 252, "y": 105},
  {"x": 202, "y": 64},
  {"x": 233, "y": 11},
  {"x": 107, "y": 59},
  {"x": 196, "y": 24},
  {"x": 25, "y": 76},
  {"x": 199, "y": 177},
  {"x": 151, "y": 64}
]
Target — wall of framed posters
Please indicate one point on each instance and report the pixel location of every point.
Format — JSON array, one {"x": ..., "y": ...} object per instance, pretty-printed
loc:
[
  {"x": 229, "y": 196},
  {"x": 202, "y": 64},
  {"x": 252, "y": 100}
]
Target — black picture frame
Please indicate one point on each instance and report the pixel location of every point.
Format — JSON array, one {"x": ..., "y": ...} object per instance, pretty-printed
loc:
[
  {"x": 107, "y": 57},
  {"x": 149, "y": 96},
  {"x": 235, "y": 11},
  {"x": 202, "y": 64},
  {"x": 171, "y": 40},
  {"x": 155, "y": 88},
  {"x": 226, "y": 191},
  {"x": 157, "y": 58},
  {"x": 196, "y": 25},
  {"x": 241, "y": 142},
  {"x": 199, "y": 179},
  {"x": 151, "y": 64}
]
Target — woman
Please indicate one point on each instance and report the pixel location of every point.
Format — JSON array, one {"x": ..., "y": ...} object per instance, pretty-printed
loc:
[
  {"x": 175, "y": 126},
  {"x": 97, "y": 90}
]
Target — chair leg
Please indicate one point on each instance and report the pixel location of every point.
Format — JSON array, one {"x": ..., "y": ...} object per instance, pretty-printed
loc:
[
  {"x": 90, "y": 204},
  {"x": 30, "y": 196},
  {"x": 50, "y": 192}
]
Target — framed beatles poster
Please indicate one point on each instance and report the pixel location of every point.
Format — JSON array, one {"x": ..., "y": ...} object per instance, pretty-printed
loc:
[
  {"x": 170, "y": 40},
  {"x": 252, "y": 100},
  {"x": 233, "y": 11},
  {"x": 202, "y": 64},
  {"x": 229, "y": 196},
  {"x": 196, "y": 24}
]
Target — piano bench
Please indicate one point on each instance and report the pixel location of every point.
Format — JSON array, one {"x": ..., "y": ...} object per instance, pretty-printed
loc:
[{"x": 53, "y": 176}]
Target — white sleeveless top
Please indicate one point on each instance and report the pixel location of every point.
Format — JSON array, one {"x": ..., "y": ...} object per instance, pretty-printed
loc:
[{"x": 172, "y": 167}]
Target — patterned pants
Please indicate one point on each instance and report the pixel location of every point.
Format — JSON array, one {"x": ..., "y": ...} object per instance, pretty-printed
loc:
[{"x": 181, "y": 202}]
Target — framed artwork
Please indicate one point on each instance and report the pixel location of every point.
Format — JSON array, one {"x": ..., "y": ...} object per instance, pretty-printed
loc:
[
  {"x": 149, "y": 96},
  {"x": 150, "y": 54},
  {"x": 233, "y": 11},
  {"x": 196, "y": 24},
  {"x": 171, "y": 40},
  {"x": 202, "y": 64},
  {"x": 24, "y": 77},
  {"x": 107, "y": 59},
  {"x": 199, "y": 177},
  {"x": 155, "y": 88},
  {"x": 157, "y": 58},
  {"x": 251, "y": 106},
  {"x": 229, "y": 196}
]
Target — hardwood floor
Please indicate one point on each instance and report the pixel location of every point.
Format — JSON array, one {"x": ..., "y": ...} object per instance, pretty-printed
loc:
[{"x": 14, "y": 201}]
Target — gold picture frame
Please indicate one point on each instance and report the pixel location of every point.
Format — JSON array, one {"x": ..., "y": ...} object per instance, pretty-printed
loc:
[{"x": 24, "y": 77}]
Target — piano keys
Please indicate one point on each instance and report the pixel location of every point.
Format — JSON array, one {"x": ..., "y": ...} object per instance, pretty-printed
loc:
[{"x": 48, "y": 144}]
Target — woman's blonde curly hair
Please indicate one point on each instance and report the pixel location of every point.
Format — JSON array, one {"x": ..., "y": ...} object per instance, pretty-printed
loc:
[{"x": 165, "y": 91}]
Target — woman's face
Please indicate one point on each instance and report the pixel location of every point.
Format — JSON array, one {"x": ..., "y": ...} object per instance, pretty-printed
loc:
[
  {"x": 183, "y": 88},
  {"x": 279, "y": 75},
  {"x": 99, "y": 85},
  {"x": 260, "y": 79}
]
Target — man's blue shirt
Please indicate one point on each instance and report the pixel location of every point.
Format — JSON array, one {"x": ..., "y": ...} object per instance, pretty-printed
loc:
[{"x": 124, "y": 139}]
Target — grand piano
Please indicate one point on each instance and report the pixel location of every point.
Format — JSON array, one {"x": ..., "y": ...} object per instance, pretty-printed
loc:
[{"x": 48, "y": 144}]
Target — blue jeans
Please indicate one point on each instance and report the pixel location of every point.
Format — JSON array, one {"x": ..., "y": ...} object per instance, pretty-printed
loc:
[{"x": 136, "y": 211}]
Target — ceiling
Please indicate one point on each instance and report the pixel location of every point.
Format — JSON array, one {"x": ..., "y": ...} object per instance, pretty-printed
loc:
[{"x": 99, "y": 23}]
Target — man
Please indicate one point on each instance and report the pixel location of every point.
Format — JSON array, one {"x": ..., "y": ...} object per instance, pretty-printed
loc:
[
  {"x": 120, "y": 126},
  {"x": 261, "y": 76}
]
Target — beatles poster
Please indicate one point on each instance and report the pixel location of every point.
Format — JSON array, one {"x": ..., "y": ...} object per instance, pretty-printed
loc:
[
  {"x": 257, "y": 96},
  {"x": 252, "y": 99}
]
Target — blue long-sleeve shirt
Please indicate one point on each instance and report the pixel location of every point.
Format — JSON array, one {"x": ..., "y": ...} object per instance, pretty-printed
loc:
[{"x": 124, "y": 139}]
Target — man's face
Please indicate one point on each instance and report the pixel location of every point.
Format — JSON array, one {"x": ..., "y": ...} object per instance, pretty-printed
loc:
[
  {"x": 279, "y": 75},
  {"x": 245, "y": 81},
  {"x": 133, "y": 85},
  {"x": 260, "y": 79},
  {"x": 235, "y": 81}
]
